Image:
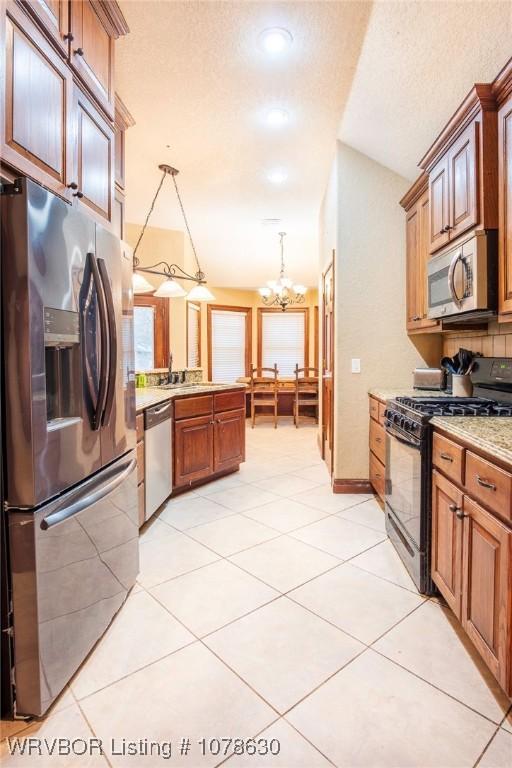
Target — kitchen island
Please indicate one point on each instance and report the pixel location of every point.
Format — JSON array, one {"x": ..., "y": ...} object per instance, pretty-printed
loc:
[{"x": 206, "y": 434}]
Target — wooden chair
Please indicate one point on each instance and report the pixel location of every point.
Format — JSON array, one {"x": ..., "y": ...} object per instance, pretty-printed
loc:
[
  {"x": 306, "y": 391},
  {"x": 264, "y": 389}
]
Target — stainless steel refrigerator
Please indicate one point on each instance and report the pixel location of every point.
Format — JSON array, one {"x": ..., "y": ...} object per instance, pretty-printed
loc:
[{"x": 68, "y": 439}]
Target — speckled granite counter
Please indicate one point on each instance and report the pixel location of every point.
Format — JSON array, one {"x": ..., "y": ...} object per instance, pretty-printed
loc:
[
  {"x": 389, "y": 394},
  {"x": 148, "y": 396},
  {"x": 492, "y": 435}
]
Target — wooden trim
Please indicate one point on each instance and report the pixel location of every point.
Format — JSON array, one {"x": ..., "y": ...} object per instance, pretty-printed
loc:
[
  {"x": 331, "y": 266},
  {"x": 199, "y": 320},
  {"x": 480, "y": 98},
  {"x": 268, "y": 310},
  {"x": 161, "y": 328},
  {"x": 351, "y": 486},
  {"x": 413, "y": 194},
  {"x": 111, "y": 17},
  {"x": 123, "y": 118},
  {"x": 502, "y": 84},
  {"x": 248, "y": 333},
  {"x": 316, "y": 338}
]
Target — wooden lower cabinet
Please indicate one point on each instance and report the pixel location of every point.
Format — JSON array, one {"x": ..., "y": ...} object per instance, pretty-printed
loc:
[
  {"x": 229, "y": 443},
  {"x": 447, "y": 541},
  {"x": 486, "y": 589},
  {"x": 377, "y": 445},
  {"x": 472, "y": 568},
  {"x": 193, "y": 449}
]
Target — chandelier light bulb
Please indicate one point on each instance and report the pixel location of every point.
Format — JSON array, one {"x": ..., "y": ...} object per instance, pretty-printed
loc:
[
  {"x": 140, "y": 284},
  {"x": 300, "y": 289},
  {"x": 200, "y": 293},
  {"x": 170, "y": 289}
]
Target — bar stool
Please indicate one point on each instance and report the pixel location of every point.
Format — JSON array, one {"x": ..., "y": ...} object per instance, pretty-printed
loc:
[
  {"x": 306, "y": 391},
  {"x": 264, "y": 388}
]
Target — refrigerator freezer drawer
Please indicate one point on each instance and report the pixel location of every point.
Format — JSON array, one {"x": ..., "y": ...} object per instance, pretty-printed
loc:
[{"x": 73, "y": 562}]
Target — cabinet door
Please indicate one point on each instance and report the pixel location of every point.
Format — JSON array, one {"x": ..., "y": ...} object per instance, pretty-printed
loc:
[
  {"x": 487, "y": 573},
  {"x": 54, "y": 15},
  {"x": 447, "y": 540},
  {"x": 505, "y": 205},
  {"x": 94, "y": 159},
  {"x": 439, "y": 205},
  {"x": 38, "y": 106},
  {"x": 412, "y": 249},
  {"x": 229, "y": 440},
  {"x": 464, "y": 182},
  {"x": 92, "y": 53},
  {"x": 193, "y": 449}
]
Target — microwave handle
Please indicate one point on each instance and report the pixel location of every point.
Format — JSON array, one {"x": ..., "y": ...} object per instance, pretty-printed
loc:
[{"x": 451, "y": 278}]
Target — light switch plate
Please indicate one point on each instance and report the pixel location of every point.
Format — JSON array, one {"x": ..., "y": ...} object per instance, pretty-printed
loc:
[{"x": 356, "y": 365}]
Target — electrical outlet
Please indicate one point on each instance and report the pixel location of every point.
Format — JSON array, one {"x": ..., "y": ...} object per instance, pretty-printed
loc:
[{"x": 356, "y": 365}]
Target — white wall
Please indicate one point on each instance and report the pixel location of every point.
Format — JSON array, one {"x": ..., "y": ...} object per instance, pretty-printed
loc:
[{"x": 369, "y": 231}]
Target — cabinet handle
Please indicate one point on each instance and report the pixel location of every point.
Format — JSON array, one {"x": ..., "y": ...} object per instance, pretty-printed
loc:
[
  {"x": 378, "y": 439},
  {"x": 73, "y": 185},
  {"x": 69, "y": 37},
  {"x": 79, "y": 51},
  {"x": 78, "y": 194},
  {"x": 446, "y": 457},
  {"x": 461, "y": 515},
  {"x": 485, "y": 483},
  {"x": 453, "y": 508}
]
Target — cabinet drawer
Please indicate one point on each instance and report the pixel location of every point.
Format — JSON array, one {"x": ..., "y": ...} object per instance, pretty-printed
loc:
[
  {"x": 228, "y": 401},
  {"x": 489, "y": 485},
  {"x": 448, "y": 457},
  {"x": 378, "y": 440},
  {"x": 377, "y": 475},
  {"x": 374, "y": 408},
  {"x": 382, "y": 411},
  {"x": 140, "y": 426},
  {"x": 141, "y": 465},
  {"x": 193, "y": 406}
]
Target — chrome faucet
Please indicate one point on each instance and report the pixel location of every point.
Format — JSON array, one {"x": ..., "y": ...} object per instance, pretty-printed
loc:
[{"x": 169, "y": 372}]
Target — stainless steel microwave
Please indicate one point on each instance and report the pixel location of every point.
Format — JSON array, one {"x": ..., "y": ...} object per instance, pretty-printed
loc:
[{"x": 462, "y": 281}]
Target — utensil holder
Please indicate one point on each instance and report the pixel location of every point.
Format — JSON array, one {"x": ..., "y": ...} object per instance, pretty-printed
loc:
[{"x": 462, "y": 386}]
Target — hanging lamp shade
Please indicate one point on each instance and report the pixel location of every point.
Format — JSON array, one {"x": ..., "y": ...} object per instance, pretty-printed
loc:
[
  {"x": 170, "y": 289},
  {"x": 200, "y": 293},
  {"x": 140, "y": 284}
]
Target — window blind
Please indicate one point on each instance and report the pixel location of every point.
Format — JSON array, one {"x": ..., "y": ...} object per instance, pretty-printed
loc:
[
  {"x": 193, "y": 325},
  {"x": 144, "y": 337},
  {"x": 228, "y": 345},
  {"x": 283, "y": 339}
]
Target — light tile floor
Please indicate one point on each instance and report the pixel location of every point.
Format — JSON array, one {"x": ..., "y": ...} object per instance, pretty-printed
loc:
[{"x": 268, "y": 607}]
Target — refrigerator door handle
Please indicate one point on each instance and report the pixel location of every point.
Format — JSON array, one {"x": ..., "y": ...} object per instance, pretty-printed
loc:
[
  {"x": 102, "y": 308},
  {"x": 84, "y": 501},
  {"x": 112, "y": 334}
]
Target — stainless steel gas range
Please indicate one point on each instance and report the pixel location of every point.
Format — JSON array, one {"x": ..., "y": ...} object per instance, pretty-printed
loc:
[{"x": 409, "y": 458}]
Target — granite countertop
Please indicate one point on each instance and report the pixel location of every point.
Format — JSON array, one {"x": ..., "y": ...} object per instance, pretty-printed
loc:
[
  {"x": 148, "y": 396},
  {"x": 489, "y": 434},
  {"x": 390, "y": 394}
]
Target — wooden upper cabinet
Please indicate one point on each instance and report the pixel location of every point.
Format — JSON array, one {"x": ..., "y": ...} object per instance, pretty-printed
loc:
[
  {"x": 447, "y": 541},
  {"x": 505, "y": 192},
  {"x": 463, "y": 188},
  {"x": 439, "y": 195},
  {"x": 123, "y": 121},
  {"x": 94, "y": 159},
  {"x": 54, "y": 16},
  {"x": 416, "y": 204},
  {"x": 92, "y": 52},
  {"x": 462, "y": 167},
  {"x": 486, "y": 603},
  {"x": 38, "y": 109}
]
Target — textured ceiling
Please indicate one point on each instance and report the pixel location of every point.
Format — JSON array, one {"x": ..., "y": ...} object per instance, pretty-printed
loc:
[
  {"x": 384, "y": 77},
  {"x": 194, "y": 78},
  {"x": 418, "y": 62}
]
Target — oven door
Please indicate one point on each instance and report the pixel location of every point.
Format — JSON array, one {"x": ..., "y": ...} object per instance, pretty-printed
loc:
[{"x": 404, "y": 483}]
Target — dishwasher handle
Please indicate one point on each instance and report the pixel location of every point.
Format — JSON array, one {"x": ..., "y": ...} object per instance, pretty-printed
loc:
[{"x": 157, "y": 414}]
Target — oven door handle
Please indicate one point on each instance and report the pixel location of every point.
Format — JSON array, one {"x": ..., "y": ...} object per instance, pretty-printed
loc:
[{"x": 451, "y": 278}]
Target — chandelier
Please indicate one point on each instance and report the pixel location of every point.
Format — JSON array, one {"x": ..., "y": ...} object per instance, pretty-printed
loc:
[
  {"x": 169, "y": 288},
  {"x": 282, "y": 292}
]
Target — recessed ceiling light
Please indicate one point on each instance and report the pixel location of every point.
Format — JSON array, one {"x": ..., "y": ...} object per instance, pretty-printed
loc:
[
  {"x": 275, "y": 40},
  {"x": 277, "y": 176},
  {"x": 277, "y": 117}
]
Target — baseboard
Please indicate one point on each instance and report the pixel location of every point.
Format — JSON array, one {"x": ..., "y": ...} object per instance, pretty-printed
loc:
[{"x": 340, "y": 485}]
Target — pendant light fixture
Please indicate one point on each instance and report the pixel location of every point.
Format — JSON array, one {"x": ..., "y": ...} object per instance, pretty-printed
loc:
[
  {"x": 283, "y": 291},
  {"x": 170, "y": 288}
]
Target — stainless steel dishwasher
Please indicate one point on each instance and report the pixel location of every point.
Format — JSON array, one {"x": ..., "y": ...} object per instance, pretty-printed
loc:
[{"x": 157, "y": 456}]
